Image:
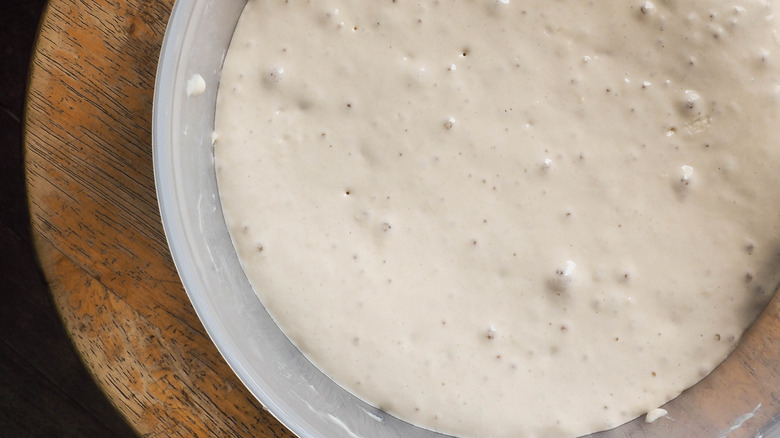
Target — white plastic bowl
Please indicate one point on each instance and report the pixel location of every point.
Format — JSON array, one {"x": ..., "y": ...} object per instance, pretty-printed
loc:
[{"x": 271, "y": 367}]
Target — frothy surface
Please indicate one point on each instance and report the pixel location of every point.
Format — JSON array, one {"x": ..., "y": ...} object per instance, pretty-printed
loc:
[{"x": 506, "y": 218}]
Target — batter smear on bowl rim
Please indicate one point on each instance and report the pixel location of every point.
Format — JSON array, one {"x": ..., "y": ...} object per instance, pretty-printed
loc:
[{"x": 506, "y": 218}]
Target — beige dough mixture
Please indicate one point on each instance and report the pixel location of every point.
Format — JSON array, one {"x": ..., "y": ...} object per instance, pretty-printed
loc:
[{"x": 506, "y": 218}]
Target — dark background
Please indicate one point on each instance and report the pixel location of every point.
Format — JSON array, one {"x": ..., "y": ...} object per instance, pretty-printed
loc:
[{"x": 45, "y": 390}]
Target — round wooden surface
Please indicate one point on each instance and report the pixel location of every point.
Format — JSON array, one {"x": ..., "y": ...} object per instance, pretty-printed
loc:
[
  {"x": 97, "y": 226},
  {"x": 102, "y": 248}
]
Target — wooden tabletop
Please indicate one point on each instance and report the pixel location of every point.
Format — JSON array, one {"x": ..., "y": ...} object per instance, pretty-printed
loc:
[
  {"x": 97, "y": 226},
  {"x": 102, "y": 248}
]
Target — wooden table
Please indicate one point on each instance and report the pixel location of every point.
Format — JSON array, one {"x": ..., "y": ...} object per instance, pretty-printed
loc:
[
  {"x": 97, "y": 226},
  {"x": 101, "y": 245}
]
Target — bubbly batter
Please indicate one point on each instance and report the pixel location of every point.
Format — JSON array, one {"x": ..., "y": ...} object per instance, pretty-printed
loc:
[{"x": 506, "y": 218}]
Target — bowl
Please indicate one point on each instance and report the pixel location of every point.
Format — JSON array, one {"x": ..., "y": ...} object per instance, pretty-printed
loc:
[{"x": 272, "y": 368}]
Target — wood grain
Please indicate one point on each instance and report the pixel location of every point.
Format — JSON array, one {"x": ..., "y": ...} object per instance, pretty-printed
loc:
[
  {"x": 97, "y": 226},
  {"x": 102, "y": 247}
]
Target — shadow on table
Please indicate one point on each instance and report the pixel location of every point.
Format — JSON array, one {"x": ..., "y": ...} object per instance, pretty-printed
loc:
[{"x": 45, "y": 390}]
